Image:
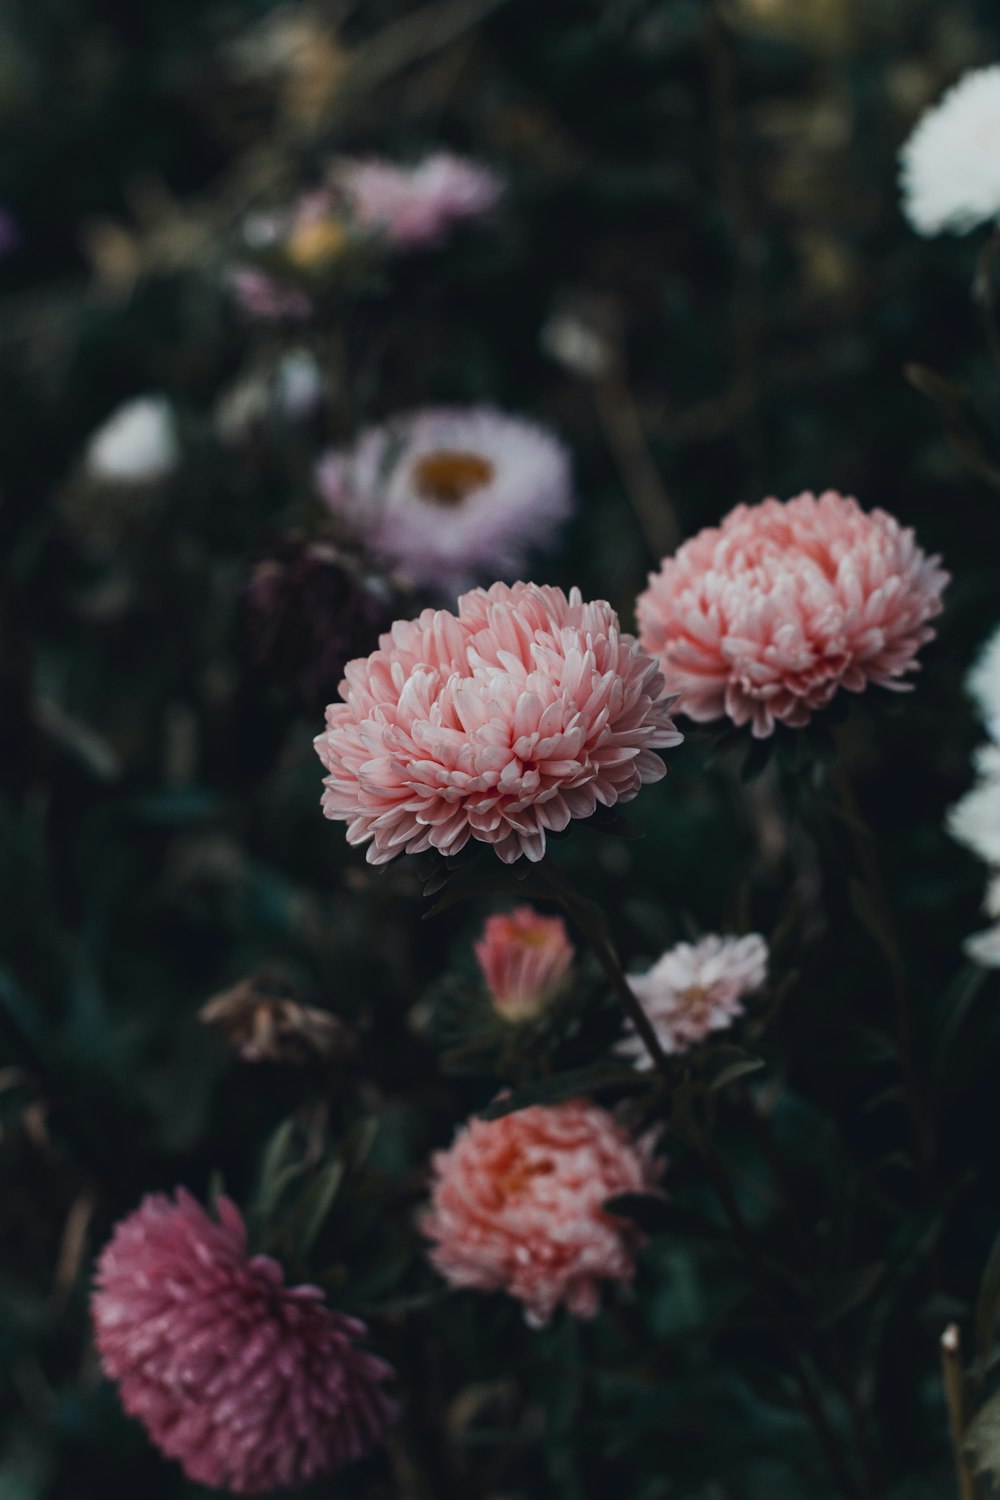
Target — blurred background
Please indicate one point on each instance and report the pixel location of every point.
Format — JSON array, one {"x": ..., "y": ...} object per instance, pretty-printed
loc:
[{"x": 699, "y": 277}]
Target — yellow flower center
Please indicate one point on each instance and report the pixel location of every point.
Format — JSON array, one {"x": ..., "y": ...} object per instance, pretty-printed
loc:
[
  {"x": 697, "y": 1002},
  {"x": 315, "y": 244},
  {"x": 448, "y": 478}
]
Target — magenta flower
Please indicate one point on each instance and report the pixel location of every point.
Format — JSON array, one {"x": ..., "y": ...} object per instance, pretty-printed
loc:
[
  {"x": 517, "y": 1206},
  {"x": 766, "y": 616},
  {"x": 523, "y": 711},
  {"x": 450, "y": 495},
  {"x": 252, "y": 1385},
  {"x": 524, "y": 959},
  {"x": 416, "y": 206}
]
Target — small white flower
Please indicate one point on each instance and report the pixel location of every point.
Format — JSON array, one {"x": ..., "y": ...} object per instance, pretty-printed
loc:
[
  {"x": 950, "y": 165},
  {"x": 137, "y": 444},
  {"x": 449, "y": 494},
  {"x": 983, "y": 685},
  {"x": 576, "y": 346},
  {"x": 975, "y": 819},
  {"x": 695, "y": 989}
]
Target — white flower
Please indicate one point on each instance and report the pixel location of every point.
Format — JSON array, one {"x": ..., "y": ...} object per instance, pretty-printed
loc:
[
  {"x": 694, "y": 989},
  {"x": 137, "y": 444},
  {"x": 950, "y": 165},
  {"x": 575, "y": 345},
  {"x": 975, "y": 818},
  {"x": 450, "y": 494},
  {"x": 983, "y": 685}
]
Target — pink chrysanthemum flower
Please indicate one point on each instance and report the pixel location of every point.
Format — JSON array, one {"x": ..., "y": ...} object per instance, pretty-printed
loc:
[
  {"x": 524, "y": 959},
  {"x": 764, "y": 617},
  {"x": 252, "y": 1385},
  {"x": 695, "y": 989},
  {"x": 448, "y": 495},
  {"x": 414, "y": 207},
  {"x": 521, "y": 712},
  {"x": 517, "y": 1206}
]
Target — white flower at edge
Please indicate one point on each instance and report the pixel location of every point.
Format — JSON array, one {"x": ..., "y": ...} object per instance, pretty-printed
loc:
[
  {"x": 983, "y": 685},
  {"x": 950, "y": 165},
  {"x": 137, "y": 444},
  {"x": 695, "y": 989}
]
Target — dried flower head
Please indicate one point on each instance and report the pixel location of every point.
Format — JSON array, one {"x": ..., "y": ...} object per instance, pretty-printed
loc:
[
  {"x": 308, "y": 610},
  {"x": 518, "y": 1206},
  {"x": 250, "y": 1384},
  {"x": 767, "y": 616},
  {"x": 265, "y": 1022},
  {"x": 524, "y": 959},
  {"x": 524, "y": 710}
]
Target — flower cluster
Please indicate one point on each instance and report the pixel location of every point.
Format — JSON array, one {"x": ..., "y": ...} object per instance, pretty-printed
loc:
[
  {"x": 500, "y": 723},
  {"x": 518, "y": 1205},
  {"x": 250, "y": 1384}
]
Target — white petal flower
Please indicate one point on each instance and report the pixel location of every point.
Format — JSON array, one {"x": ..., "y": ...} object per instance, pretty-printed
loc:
[
  {"x": 448, "y": 494},
  {"x": 137, "y": 444},
  {"x": 695, "y": 989},
  {"x": 983, "y": 685},
  {"x": 950, "y": 165}
]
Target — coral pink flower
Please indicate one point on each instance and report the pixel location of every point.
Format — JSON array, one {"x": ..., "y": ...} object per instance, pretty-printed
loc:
[
  {"x": 415, "y": 206},
  {"x": 764, "y": 617},
  {"x": 450, "y": 495},
  {"x": 695, "y": 989},
  {"x": 517, "y": 1205},
  {"x": 521, "y": 712},
  {"x": 252, "y": 1385},
  {"x": 524, "y": 959}
]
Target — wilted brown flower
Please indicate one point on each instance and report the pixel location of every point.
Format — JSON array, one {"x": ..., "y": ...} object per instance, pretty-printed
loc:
[{"x": 265, "y": 1022}]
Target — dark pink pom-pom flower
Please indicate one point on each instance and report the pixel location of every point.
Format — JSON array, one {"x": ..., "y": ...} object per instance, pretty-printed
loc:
[{"x": 251, "y": 1384}]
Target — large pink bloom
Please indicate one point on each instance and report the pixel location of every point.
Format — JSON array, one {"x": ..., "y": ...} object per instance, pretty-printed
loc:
[
  {"x": 415, "y": 206},
  {"x": 517, "y": 1206},
  {"x": 524, "y": 710},
  {"x": 764, "y": 617},
  {"x": 250, "y": 1384},
  {"x": 524, "y": 959}
]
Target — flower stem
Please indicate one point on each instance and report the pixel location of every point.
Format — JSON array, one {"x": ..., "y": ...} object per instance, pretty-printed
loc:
[{"x": 954, "y": 1395}]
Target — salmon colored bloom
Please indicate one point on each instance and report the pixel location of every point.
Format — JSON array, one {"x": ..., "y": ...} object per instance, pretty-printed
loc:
[
  {"x": 251, "y": 1384},
  {"x": 763, "y": 618},
  {"x": 517, "y": 1206},
  {"x": 524, "y": 959},
  {"x": 524, "y": 710}
]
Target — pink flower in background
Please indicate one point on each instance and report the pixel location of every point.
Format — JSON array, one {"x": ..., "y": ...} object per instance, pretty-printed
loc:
[
  {"x": 517, "y": 1206},
  {"x": 415, "y": 206},
  {"x": 252, "y": 1385},
  {"x": 263, "y": 296},
  {"x": 766, "y": 616},
  {"x": 525, "y": 710},
  {"x": 449, "y": 495},
  {"x": 695, "y": 989},
  {"x": 524, "y": 959}
]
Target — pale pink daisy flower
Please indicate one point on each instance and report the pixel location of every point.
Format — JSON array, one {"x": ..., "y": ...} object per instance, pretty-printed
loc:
[
  {"x": 449, "y": 494},
  {"x": 693, "y": 990},
  {"x": 499, "y": 723},
  {"x": 517, "y": 1206},
  {"x": 766, "y": 616},
  {"x": 524, "y": 959},
  {"x": 250, "y": 1384},
  {"x": 414, "y": 207}
]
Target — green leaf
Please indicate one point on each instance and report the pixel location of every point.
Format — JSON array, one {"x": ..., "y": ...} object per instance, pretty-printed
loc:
[
  {"x": 314, "y": 1203},
  {"x": 569, "y": 1085},
  {"x": 277, "y": 1170},
  {"x": 725, "y": 1064},
  {"x": 846, "y": 1291},
  {"x": 988, "y": 1304}
]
